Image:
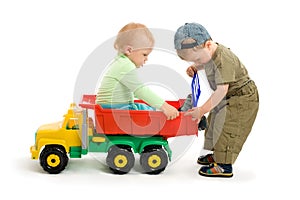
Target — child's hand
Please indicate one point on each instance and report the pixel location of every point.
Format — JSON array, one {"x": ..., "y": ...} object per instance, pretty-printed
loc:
[
  {"x": 196, "y": 114},
  {"x": 191, "y": 70},
  {"x": 170, "y": 111}
]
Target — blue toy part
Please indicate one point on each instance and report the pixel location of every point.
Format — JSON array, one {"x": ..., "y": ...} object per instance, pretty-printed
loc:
[{"x": 195, "y": 89}]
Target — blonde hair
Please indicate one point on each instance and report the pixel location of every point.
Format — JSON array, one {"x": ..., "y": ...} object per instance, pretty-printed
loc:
[{"x": 135, "y": 35}]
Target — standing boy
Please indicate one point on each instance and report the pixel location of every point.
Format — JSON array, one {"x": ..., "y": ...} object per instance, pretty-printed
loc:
[{"x": 232, "y": 107}]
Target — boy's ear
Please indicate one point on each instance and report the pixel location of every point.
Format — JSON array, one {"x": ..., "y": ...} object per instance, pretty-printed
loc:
[
  {"x": 207, "y": 44},
  {"x": 128, "y": 49}
]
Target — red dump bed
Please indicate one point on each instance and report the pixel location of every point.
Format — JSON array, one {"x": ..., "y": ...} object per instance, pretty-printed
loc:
[{"x": 139, "y": 122}]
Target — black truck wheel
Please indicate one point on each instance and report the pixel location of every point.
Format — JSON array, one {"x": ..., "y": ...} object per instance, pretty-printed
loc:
[
  {"x": 120, "y": 159},
  {"x": 53, "y": 159},
  {"x": 154, "y": 160}
]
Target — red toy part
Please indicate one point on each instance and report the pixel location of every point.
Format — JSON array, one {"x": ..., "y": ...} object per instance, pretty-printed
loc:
[{"x": 139, "y": 122}]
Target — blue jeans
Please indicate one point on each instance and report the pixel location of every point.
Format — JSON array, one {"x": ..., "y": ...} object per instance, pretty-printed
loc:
[{"x": 129, "y": 106}]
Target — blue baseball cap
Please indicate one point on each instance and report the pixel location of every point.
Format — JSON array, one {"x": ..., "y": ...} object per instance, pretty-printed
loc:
[{"x": 190, "y": 30}]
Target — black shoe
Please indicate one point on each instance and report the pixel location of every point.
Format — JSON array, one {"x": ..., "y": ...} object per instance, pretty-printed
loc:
[
  {"x": 206, "y": 160},
  {"x": 216, "y": 170}
]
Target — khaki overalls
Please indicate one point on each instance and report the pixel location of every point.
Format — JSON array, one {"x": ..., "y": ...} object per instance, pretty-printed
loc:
[{"x": 231, "y": 121}]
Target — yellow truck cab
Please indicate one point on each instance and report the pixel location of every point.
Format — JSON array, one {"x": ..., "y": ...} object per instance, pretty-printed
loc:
[{"x": 56, "y": 140}]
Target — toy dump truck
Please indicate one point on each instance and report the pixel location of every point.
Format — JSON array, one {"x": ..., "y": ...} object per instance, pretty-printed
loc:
[{"x": 119, "y": 133}]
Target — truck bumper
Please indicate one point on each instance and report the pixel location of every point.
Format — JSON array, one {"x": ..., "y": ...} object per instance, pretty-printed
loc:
[{"x": 34, "y": 153}]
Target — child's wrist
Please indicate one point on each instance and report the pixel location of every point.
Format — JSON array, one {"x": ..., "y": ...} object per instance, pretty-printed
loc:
[{"x": 201, "y": 112}]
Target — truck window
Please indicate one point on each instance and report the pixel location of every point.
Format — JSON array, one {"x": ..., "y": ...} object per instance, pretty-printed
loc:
[{"x": 73, "y": 124}]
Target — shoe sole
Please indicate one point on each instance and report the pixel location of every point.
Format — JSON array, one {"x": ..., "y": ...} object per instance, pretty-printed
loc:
[{"x": 226, "y": 175}]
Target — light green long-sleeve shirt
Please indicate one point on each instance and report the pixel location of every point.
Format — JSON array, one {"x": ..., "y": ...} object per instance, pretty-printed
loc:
[{"x": 120, "y": 85}]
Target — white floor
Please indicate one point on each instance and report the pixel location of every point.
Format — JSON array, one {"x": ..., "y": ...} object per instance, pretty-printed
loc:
[{"x": 89, "y": 176}]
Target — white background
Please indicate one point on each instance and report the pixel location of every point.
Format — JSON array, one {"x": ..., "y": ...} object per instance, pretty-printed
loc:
[{"x": 43, "y": 45}]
